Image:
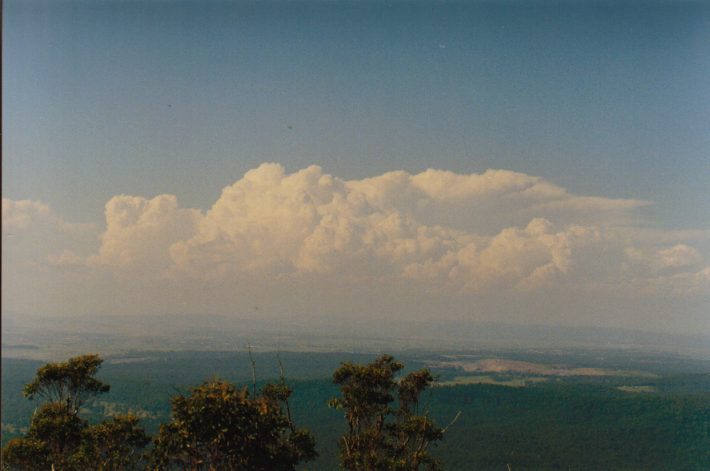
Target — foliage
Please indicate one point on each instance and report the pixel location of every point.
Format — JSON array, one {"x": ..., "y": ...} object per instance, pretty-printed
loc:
[
  {"x": 114, "y": 444},
  {"x": 220, "y": 426},
  {"x": 25, "y": 453},
  {"x": 59, "y": 429},
  {"x": 380, "y": 436},
  {"x": 59, "y": 439},
  {"x": 68, "y": 383}
]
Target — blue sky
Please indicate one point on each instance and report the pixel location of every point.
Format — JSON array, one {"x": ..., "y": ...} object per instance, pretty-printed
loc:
[
  {"x": 110, "y": 97},
  {"x": 609, "y": 100}
]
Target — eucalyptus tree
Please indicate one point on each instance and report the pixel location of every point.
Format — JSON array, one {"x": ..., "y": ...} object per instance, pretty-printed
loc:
[
  {"x": 219, "y": 426},
  {"x": 386, "y": 429},
  {"x": 58, "y": 438}
]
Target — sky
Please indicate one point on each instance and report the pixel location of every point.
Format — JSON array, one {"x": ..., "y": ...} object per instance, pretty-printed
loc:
[{"x": 518, "y": 161}]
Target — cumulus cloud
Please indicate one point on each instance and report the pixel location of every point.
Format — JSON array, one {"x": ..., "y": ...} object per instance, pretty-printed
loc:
[
  {"x": 275, "y": 224},
  {"x": 496, "y": 231},
  {"x": 32, "y": 232},
  {"x": 20, "y": 215},
  {"x": 679, "y": 256},
  {"x": 139, "y": 232}
]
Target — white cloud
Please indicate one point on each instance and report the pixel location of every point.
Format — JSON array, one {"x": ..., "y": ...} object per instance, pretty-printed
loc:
[
  {"x": 139, "y": 232},
  {"x": 277, "y": 224},
  {"x": 32, "y": 231},
  {"x": 495, "y": 232},
  {"x": 679, "y": 256},
  {"x": 20, "y": 215},
  {"x": 489, "y": 202}
]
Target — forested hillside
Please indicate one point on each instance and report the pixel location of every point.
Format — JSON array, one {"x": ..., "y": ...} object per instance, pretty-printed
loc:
[{"x": 658, "y": 421}]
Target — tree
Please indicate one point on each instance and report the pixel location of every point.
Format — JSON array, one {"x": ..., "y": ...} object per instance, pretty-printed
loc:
[
  {"x": 381, "y": 435},
  {"x": 58, "y": 438},
  {"x": 219, "y": 426},
  {"x": 114, "y": 444},
  {"x": 25, "y": 453},
  {"x": 59, "y": 429},
  {"x": 68, "y": 383}
]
